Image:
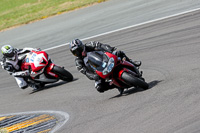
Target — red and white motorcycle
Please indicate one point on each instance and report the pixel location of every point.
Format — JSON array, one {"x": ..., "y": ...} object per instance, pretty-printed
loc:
[
  {"x": 122, "y": 74},
  {"x": 42, "y": 70}
]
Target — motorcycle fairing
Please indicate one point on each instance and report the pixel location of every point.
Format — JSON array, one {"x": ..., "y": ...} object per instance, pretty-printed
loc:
[
  {"x": 120, "y": 67},
  {"x": 37, "y": 62},
  {"x": 109, "y": 55}
]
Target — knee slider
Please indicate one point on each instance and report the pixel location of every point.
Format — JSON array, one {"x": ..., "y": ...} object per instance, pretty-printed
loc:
[{"x": 24, "y": 87}]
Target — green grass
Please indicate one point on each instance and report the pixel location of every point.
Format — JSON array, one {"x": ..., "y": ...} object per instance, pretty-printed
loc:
[{"x": 17, "y": 12}]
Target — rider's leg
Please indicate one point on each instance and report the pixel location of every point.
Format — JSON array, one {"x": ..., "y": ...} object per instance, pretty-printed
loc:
[
  {"x": 102, "y": 86},
  {"x": 124, "y": 57},
  {"x": 21, "y": 82}
]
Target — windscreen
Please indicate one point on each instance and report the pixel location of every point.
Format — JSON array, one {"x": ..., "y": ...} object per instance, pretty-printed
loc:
[{"x": 97, "y": 60}]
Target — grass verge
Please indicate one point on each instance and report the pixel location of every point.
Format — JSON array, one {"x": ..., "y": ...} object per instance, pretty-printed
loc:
[{"x": 18, "y": 12}]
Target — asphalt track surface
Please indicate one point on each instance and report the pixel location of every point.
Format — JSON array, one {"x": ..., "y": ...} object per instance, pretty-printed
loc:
[{"x": 169, "y": 50}]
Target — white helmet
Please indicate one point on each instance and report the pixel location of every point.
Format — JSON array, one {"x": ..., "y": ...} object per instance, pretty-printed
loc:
[{"x": 9, "y": 52}]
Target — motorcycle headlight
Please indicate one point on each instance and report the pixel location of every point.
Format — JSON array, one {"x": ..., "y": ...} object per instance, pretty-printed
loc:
[
  {"x": 108, "y": 69},
  {"x": 111, "y": 60}
]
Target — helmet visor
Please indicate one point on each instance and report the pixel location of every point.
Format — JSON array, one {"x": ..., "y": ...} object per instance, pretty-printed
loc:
[
  {"x": 10, "y": 56},
  {"x": 76, "y": 51}
]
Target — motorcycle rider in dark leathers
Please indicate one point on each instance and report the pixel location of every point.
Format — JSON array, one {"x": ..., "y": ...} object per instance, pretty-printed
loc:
[
  {"x": 12, "y": 64},
  {"x": 80, "y": 50}
]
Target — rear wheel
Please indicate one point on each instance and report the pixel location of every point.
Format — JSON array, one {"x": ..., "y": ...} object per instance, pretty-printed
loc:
[
  {"x": 134, "y": 81},
  {"x": 62, "y": 73}
]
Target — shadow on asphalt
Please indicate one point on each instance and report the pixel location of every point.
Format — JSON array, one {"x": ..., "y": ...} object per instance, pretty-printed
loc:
[
  {"x": 136, "y": 90},
  {"x": 48, "y": 86}
]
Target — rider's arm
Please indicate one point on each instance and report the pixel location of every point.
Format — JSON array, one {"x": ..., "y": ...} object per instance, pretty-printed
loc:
[
  {"x": 25, "y": 50},
  {"x": 12, "y": 71},
  {"x": 97, "y": 46},
  {"x": 7, "y": 66},
  {"x": 81, "y": 68},
  {"x": 80, "y": 65}
]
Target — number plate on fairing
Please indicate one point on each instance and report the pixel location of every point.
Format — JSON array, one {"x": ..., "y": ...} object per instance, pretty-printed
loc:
[{"x": 32, "y": 58}]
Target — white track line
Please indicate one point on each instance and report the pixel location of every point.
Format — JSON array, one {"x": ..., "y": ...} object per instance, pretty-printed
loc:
[{"x": 147, "y": 22}]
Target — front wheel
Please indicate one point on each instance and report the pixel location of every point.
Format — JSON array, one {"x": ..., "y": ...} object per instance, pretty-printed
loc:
[
  {"x": 134, "y": 81},
  {"x": 62, "y": 73}
]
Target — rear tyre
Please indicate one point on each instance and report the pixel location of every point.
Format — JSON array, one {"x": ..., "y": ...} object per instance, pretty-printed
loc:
[
  {"x": 134, "y": 81},
  {"x": 62, "y": 73}
]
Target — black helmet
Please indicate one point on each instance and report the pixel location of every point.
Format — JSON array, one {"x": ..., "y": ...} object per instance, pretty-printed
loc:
[
  {"x": 76, "y": 47},
  {"x": 9, "y": 52}
]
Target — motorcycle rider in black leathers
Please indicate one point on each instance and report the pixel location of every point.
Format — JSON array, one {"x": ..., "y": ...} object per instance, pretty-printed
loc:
[
  {"x": 12, "y": 64},
  {"x": 80, "y": 50}
]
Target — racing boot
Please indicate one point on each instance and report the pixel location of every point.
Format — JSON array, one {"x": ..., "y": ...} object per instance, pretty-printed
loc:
[
  {"x": 36, "y": 87},
  {"x": 98, "y": 86},
  {"x": 121, "y": 90},
  {"x": 136, "y": 63},
  {"x": 125, "y": 58},
  {"x": 103, "y": 86}
]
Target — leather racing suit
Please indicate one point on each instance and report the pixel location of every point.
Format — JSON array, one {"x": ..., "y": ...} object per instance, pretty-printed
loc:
[{"x": 13, "y": 67}]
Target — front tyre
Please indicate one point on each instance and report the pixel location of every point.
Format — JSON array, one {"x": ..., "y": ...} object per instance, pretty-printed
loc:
[
  {"x": 62, "y": 73},
  {"x": 134, "y": 81}
]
